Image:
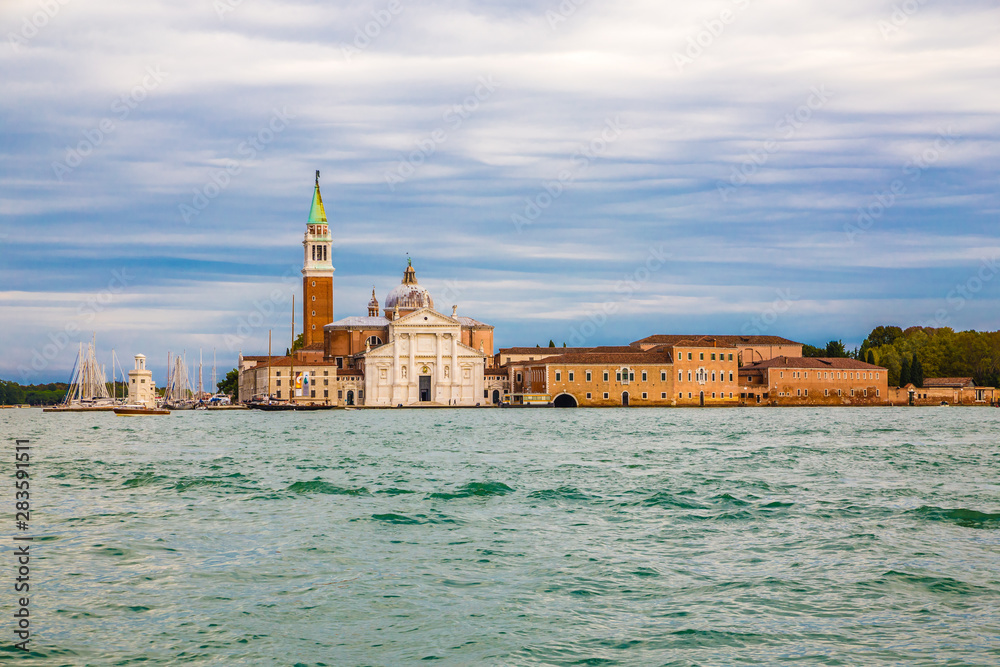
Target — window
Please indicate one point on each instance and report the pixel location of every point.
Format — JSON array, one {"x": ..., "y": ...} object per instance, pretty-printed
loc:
[
  {"x": 314, "y": 297},
  {"x": 279, "y": 383},
  {"x": 730, "y": 376},
  {"x": 340, "y": 395},
  {"x": 314, "y": 313},
  {"x": 689, "y": 376},
  {"x": 571, "y": 376},
  {"x": 852, "y": 392},
  {"x": 798, "y": 392},
  {"x": 631, "y": 376},
  {"x": 618, "y": 376},
  {"x": 866, "y": 392},
  {"x": 279, "y": 393},
  {"x": 680, "y": 394},
  {"x": 878, "y": 392},
  {"x": 826, "y": 392},
  {"x": 374, "y": 341},
  {"x": 840, "y": 392},
  {"x": 689, "y": 356},
  {"x": 781, "y": 374},
  {"x": 340, "y": 362},
  {"x": 605, "y": 376},
  {"x": 588, "y": 376},
  {"x": 588, "y": 394},
  {"x": 807, "y": 392},
  {"x": 876, "y": 376},
  {"x": 605, "y": 394},
  {"x": 730, "y": 357},
  {"x": 314, "y": 283},
  {"x": 713, "y": 376},
  {"x": 663, "y": 376},
  {"x": 326, "y": 393},
  {"x": 713, "y": 394},
  {"x": 277, "y": 374},
  {"x": 713, "y": 356},
  {"x": 689, "y": 394},
  {"x": 701, "y": 356},
  {"x": 806, "y": 374},
  {"x": 558, "y": 376},
  {"x": 730, "y": 394},
  {"x": 644, "y": 394},
  {"x": 663, "y": 395},
  {"x": 644, "y": 378},
  {"x": 518, "y": 377},
  {"x": 326, "y": 373},
  {"x": 680, "y": 375},
  {"x": 312, "y": 393}
]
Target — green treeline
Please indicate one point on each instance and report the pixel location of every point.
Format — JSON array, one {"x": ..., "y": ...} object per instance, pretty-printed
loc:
[
  {"x": 53, "y": 393},
  {"x": 11, "y": 393},
  {"x": 923, "y": 352}
]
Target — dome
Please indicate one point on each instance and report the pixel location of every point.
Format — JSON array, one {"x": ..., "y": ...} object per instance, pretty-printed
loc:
[{"x": 408, "y": 295}]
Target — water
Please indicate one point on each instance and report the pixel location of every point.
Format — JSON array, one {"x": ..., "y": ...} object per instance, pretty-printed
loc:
[{"x": 524, "y": 537}]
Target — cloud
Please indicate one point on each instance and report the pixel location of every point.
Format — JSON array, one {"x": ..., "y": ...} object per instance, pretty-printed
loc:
[{"x": 366, "y": 85}]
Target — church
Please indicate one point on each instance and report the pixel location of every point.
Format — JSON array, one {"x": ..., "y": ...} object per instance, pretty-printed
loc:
[{"x": 403, "y": 353}]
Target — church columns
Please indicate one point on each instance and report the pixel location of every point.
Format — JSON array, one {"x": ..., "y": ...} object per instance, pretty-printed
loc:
[
  {"x": 438, "y": 369},
  {"x": 411, "y": 371},
  {"x": 455, "y": 378}
]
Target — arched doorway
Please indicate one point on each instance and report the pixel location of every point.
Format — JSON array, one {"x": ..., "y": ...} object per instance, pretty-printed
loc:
[
  {"x": 624, "y": 399},
  {"x": 350, "y": 397},
  {"x": 496, "y": 397},
  {"x": 564, "y": 401},
  {"x": 701, "y": 398}
]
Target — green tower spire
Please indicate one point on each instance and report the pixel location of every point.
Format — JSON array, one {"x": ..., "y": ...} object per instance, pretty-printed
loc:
[{"x": 316, "y": 212}]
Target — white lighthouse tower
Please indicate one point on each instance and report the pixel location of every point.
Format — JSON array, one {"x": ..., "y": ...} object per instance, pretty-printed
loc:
[{"x": 141, "y": 388}]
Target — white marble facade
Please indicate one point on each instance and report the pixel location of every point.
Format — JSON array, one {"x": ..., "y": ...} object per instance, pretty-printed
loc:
[{"x": 424, "y": 362}]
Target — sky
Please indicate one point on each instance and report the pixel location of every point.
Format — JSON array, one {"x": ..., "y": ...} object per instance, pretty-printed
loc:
[{"x": 585, "y": 171}]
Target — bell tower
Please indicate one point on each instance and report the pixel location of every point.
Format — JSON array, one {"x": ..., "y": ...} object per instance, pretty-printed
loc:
[{"x": 317, "y": 272}]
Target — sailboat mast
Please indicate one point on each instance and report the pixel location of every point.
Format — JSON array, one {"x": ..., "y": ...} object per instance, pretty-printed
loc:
[{"x": 268, "y": 365}]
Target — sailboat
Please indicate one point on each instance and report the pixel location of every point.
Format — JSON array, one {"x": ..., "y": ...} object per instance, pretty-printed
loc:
[
  {"x": 88, "y": 387},
  {"x": 178, "y": 394}
]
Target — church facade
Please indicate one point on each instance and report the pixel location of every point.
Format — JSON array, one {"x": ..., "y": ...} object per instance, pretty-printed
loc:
[{"x": 407, "y": 354}]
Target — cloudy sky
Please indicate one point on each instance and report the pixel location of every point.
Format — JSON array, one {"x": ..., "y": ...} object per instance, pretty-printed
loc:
[{"x": 587, "y": 171}]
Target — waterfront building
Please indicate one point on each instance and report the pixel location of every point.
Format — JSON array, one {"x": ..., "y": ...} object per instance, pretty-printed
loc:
[
  {"x": 409, "y": 354},
  {"x": 813, "y": 381},
  {"x": 950, "y": 391},
  {"x": 141, "y": 388},
  {"x": 750, "y": 348}
]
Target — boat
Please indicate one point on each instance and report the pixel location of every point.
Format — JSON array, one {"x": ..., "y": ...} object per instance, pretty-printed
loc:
[
  {"x": 178, "y": 394},
  {"x": 127, "y": 410},
  {"x": 88, "y": 386},
  {"x": 288, "y": 407}
]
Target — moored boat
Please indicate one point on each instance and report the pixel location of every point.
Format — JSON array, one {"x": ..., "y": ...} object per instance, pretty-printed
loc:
[{"x": 127, "y": 410}]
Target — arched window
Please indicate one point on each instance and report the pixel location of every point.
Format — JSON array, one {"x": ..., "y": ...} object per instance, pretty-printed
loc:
[{"x": 374, "y": 341}]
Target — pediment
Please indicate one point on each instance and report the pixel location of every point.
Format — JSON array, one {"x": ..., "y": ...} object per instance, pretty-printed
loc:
[{"x": 425, "y": 317}]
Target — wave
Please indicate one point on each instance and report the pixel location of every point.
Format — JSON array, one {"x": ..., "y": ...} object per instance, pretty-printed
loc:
[
  {"x": 961, "y": 517},
  {"x": 319, "y": 486},
  {"x": 475, "y": 489}
]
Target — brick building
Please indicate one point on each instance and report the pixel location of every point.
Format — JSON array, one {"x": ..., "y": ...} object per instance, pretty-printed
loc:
[{"x": 813, "y": 381}]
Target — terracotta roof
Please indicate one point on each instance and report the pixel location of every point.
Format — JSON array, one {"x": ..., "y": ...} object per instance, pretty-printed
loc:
[
  {"x": 819, "y": 363},
  {"x": 671, "y": 339},
  {"x": 350, "y": 371},
  {"x": 949, "y": 382},
  {"x": 608, "y": 358},
  {"x": 542, "y": 350},
  {"x": 496, "y": 371},
  {"x": 283, "y": 361},
  {"x": 469, "y": 322}
]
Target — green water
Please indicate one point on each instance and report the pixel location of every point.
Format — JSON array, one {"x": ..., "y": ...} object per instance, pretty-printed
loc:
[{"x": 511, "y": 537}]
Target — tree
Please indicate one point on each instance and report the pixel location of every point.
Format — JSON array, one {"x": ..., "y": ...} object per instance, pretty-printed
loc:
[
  {"x": 916, "y": 372},
  {"x": 904, "y": 373},
  {"x": 871, "y": 358},
  {"x": 299, "y": 342},
  {"x": 835, "y": 348},
  {"x": 552, "y": 343},
  {"x": 812, "y": 351},
  {"x": 882, "y": 335},
  {"x": 231, "y": 384}
]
